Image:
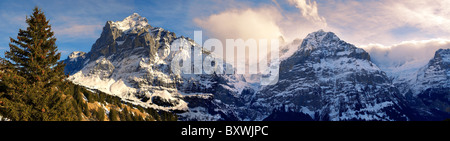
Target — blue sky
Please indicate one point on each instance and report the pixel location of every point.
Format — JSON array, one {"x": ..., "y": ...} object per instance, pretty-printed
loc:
[{"x": 78, "y": 24}]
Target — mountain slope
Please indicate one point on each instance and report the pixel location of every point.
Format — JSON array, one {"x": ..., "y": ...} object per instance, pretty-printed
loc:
[
  {"x": 428, "y": 88},
  {"x": 133, "y": 60},
  {"x": 436, "y": 74},
  {"x": 329, "y": 79},
  {"x": 321, "y": 78}
]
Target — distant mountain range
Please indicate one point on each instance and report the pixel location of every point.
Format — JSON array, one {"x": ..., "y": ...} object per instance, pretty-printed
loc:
[{"x": 321, "y": 77}]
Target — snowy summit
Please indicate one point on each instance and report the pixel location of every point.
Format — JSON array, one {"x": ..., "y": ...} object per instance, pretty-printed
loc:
[
  {"x": 321, "y": 78},
  {"x": 134, "y": 21}
]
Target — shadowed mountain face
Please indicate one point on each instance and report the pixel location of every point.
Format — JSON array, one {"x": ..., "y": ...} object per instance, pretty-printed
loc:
[
  {"x": 329, "y": 79},
  {"x": 323, "y": 78},
  {"x": 428, "y": 89}
]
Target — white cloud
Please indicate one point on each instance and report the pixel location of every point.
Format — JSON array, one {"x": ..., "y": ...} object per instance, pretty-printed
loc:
[
  {"x": 407, "y": 54},
  {"x": 243, "y": 24},
  {"x": 249, "y": 23},
  {"x": 265, "y": 21},
  {"x": 358, "y": 22},
  {"x": 432, "y": 15},
  {"x": 387, "y": 21},
  {"x": 309, "y": 10}
]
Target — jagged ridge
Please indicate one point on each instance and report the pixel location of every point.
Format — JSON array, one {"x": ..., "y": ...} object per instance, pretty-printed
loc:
[{"x": 325, "y": 78}]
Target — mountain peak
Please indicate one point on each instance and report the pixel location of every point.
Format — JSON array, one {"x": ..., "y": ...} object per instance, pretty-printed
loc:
[
  {"x": 134, "y": 21},
  {"x": 443, "y": 53},
  {"x": 324, "y": 40},
  {"x": 442, "y": 56},
  {"x": 327, "y": 44},
  {"x": 321, "y": 35}
]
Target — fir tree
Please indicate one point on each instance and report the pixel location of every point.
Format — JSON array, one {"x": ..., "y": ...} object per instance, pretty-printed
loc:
[
  {"x": 128, "y": 114},
  {"x": 113, "y": 114},
  {"x": 86, "y": 111},
  {"x": 100, "y": 114},
  {"x": 32, "y": 77},
  {"x": 122, "y": 116}
]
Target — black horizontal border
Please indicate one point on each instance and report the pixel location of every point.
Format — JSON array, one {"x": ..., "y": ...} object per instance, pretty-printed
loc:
[{"x": 275, "y": 130}]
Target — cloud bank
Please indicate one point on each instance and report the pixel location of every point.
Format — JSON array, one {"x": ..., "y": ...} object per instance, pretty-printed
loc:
[
  {"x": 407, "y": 55},
  {"x": 267, "y": 21},
  {"x": 387, "y": 21},
  {"x": 359, "y": 22},
  {"x": 260, "y": 23},
  {"x": 394, "y": 32}
]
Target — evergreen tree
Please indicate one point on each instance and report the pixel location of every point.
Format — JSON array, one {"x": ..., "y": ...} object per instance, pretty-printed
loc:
[
  {"x": 153, "y": 113},
  {"x": 32, "y": 77},
  {"x": 113, "y": 114},
  {"x": 90, "y": 97},
  {"x": 100, "y": 114},
  {"x": 122, "y": 116},
  {"x": 128, "y": 114},
  {"x": 138, "y": 118},
  {"x": 86, "y": 111}
]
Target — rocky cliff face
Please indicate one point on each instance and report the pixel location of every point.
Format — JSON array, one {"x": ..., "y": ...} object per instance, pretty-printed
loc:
[
  {"x": 321, "y": 78},
  {"x": 329, "y": 79},
  {"x": 132, "y": 60},
  {"x": 436, "y": 74},
  {"x": 428, "y": 88}
]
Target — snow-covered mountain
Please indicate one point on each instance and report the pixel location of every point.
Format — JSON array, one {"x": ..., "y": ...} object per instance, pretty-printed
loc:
[
  {"x": 329, "y": 79},
  {"x": 122, "y": 59},
  {"x": 132, "y": 60},
  {"x": 321, "y": 78},
  {"x": 428, "y": 88},
  {"x": 435, "y": 74}
]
